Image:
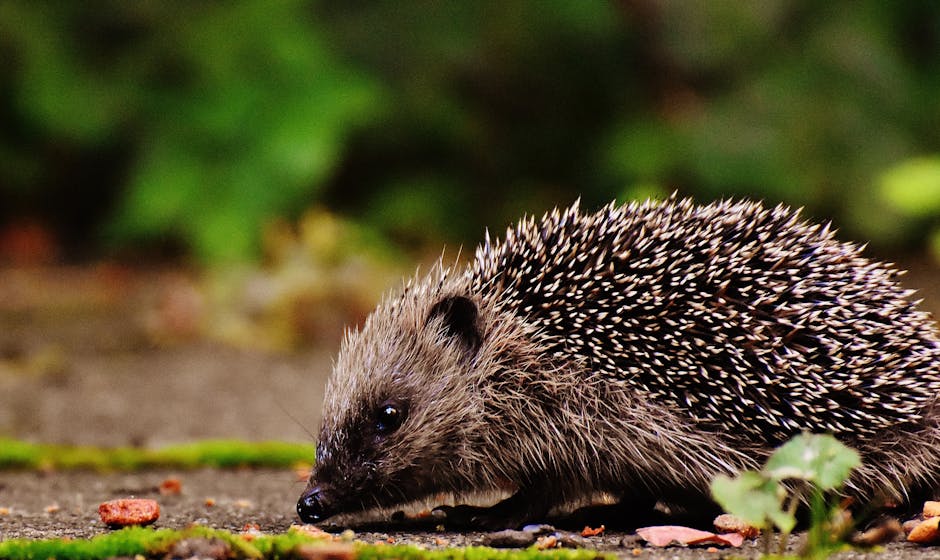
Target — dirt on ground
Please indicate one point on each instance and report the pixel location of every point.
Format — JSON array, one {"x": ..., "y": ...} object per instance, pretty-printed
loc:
[
  {"x": 64, "y": 504},
  {"x": 78, "y": 367}
]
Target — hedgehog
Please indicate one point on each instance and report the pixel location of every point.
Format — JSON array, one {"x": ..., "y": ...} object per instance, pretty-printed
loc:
[{"x": 635, "y": 352}]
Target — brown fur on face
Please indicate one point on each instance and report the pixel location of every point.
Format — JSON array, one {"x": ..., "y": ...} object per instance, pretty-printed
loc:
[{"x": 404, "y": 354}]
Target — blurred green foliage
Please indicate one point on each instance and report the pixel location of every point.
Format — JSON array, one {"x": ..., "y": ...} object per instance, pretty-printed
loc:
[
  {"x": 912, "y": 189},
  {"x": 233, "y": 113},
  {"x": 197, "y": 123}
]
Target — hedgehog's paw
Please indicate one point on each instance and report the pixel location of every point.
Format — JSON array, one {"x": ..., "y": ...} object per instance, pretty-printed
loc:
[
  {"x": 475, "y": 518},
  {"x": 511, "y": 513},
  {"x": 467, "y": 518}
]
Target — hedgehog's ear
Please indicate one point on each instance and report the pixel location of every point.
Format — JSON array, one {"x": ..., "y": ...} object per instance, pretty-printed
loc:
[{"x": 460, "y": 318}]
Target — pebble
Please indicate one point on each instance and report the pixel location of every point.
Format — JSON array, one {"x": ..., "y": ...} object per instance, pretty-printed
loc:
[
  {"x": 931, "y": 509},
  {"x": 129, "y": 511},
  {"x": 571, "y": 540},
  {"x": 540, "y": 529},
  {"x": 546, "y": 542},
  {"x": 509, "y": 539},
  {"x": 727, "y": 523},
  {"x": 927, "y": 532}
]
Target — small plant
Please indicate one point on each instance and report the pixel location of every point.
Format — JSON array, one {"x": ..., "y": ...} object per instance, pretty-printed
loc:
[{"x": 805, "y": 470}]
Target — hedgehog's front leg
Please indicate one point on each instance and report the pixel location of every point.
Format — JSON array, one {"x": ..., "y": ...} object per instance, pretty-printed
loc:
[{"x": 525, "y": 506}]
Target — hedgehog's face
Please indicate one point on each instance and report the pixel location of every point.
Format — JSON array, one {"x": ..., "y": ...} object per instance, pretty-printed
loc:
[{"x": 399, "y": 408}]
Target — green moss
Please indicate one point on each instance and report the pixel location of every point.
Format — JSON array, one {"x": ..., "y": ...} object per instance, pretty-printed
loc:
[
  {"x": 156, "y": 542},
  {"x": 404, "y": 552},
  {"x": 15, "y": 454},
  {"x": 126, "y": 542}
]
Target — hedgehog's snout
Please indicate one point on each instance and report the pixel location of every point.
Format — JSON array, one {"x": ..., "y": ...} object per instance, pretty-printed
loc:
[{"x": 312, "y": 507}]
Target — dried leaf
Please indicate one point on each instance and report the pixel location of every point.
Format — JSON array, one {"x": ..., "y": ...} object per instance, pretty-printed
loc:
[{"x": 664, "y": 535}]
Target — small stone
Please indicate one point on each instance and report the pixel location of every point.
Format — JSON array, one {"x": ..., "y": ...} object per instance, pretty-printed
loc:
[
  {"x": 931, "y": 509},
  {"x": 546, "y": 542},
  {"x": 571, "y": 540},
  {"x": 727, "y": 523},
  {"x": 171, "y": 487},
  {"x": 121, "y": 513},
  {"x": 927, "y": 532},
  {"x": 539, "y": 529},
  {"x": 509, "y": 539}
]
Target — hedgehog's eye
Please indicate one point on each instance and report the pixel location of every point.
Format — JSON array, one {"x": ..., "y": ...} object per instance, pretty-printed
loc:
[{"x": 389, "y": 416}]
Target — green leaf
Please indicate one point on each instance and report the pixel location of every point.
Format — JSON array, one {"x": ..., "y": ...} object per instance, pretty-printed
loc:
[
  {"x": 817, "y": 458},
  {"x": 754, "y": 498}
]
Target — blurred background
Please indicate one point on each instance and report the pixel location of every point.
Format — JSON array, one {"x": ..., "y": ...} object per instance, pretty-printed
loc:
[{"x": 255, "y": 174}]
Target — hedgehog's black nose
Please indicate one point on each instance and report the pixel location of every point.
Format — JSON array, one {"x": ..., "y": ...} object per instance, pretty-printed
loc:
[{"x": 311, "y": 507}]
